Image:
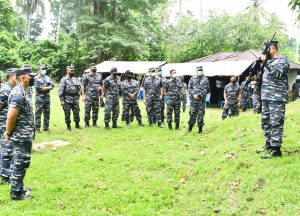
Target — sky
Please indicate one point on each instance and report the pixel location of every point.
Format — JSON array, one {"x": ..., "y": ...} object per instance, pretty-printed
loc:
[{"x": 232, "y": 7}]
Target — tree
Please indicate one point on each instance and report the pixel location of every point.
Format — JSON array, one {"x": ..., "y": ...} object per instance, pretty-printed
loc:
[{"x": 295, "y": 5}]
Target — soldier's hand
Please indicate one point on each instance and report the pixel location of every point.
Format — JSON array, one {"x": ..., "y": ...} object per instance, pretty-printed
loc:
[
  {"x": 83, "y": 98},
  {"x": 62, "y": 103},
  {"x": 160, "y": 97},
  {"x": 5, "y": 136},
  {"x": 195, "y": 97},
  {"x": 145, "y": 102},
  {"x": 263, "y": 58}
]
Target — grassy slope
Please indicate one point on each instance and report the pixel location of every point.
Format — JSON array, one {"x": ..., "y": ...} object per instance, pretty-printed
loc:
[{"x": 152, "y": 171}]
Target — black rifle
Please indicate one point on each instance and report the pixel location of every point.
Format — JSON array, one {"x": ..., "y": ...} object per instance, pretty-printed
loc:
[{"x": 256, "y": 66}]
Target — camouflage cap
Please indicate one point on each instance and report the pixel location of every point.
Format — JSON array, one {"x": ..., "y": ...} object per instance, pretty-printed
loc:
[
  {"x": 70, "y": 67},
  {"x": 42, "y": 66},
  {"x": 199, "y": 68},
  {"x": 11, "y": 70},
  {"x": 24, "y": 71},
  {"x": 128, "y": 72},
  {"x": 113, "y": 69}
]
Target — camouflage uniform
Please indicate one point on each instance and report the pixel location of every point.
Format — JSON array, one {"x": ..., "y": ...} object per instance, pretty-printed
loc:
[
  {"x": 256, "y": 96},
  {"x": 295, "y": 90},
  {"x": 22, "y": 137},
  {"x": 198, "y": 86},
  {"x": 183, "y": 96},
  {"x": 274, "y": 95},
  {"x": 69, "y": 92},
  {"x": 246, "y": 96},
  {"x": 92, "y": 83},
  {"x": 231, "y": 108},
  {"x": 112, "y": 85},
  {"x": 130, "y": 87},
  {"x": 7, "y": 145},
  {"x": 162, "y": 102},
  {"x": 29, "y": 91},
  {"x": 173, "y": 89},
  {"x": 42, "y": 100},
  {"x": 152, "y": 86}
]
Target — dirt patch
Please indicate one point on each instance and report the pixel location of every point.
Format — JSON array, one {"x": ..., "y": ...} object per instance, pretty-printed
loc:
[{"x": 49, "y": 145}]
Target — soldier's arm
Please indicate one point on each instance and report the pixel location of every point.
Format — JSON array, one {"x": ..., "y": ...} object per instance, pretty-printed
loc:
[
  {"x": 278, "y": 70},
  {"x": 225, "y": 94},
  {"x": 3, "y": 99},
  {"x": 38, "y": 87},
  {"x": 61, "y": 89},
  {"x": 51, "y": 84},
  {"x": 12, "y": 114},
  {"x": 205, "y": 89}
]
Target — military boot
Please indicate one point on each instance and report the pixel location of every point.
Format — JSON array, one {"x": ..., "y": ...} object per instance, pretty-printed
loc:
[
  {"x": 200, "y": 130},
  {"x": 95, "y": 124},
  {"x": 107, "y": 126},
  {"x": 275, "y": 152},
  {"x": 77, "y": 126},
  {"x": 115, "y": 125},
  {"x": 5, "y": 180},
  {"x": 87, "y": 124},
  {"x": 20, "y": 195},
  {"x": 170, "y": 126},
  {"x": 177, "y": 126},
  {"x": 159, "y": 125},
  {"x": 141, "y": 124},
  {"x": 265, "y": 148},
  {"x": 69, "y": 127},
  {"x": 190, "y": 129}
]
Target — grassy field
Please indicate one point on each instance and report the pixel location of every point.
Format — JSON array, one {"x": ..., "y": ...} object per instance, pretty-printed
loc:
[{"x": 151, "y": 171}]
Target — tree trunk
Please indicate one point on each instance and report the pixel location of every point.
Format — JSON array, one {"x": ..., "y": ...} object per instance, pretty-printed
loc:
[
  {"x": 58, "y": 22},
  {"x": 28, "y": 26}
]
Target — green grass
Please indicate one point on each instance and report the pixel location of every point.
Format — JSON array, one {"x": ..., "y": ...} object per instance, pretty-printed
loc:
[{"x": 152, "y": 171}]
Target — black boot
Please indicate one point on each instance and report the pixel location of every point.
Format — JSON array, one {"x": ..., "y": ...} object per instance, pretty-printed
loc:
[
  {"x": 107, "y": 126},
  {"x": 275, "y": 152},
  {"x": 177, "y": 126},
  {"x": 200, "y": 130},
  {"x": 5, "y": 181},
  {"x": 159, "y": 125},
  {"x": 190, "y": 129},
  {"x": 95, "y": 124},
  {"x": 69, "y": 127},
  {"x": 141, "y": 124},
  {"x": 265, "y": 148},
  {"x": 170, "y": 126},
  {"x": 87, "y": 124},
  {"x": 77, "y": 126},
  {"x": 20, "y": 195},
  {"x": 115, "y": 125}
]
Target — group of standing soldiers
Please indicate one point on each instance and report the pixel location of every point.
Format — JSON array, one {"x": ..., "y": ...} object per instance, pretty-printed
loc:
[{"x": 157, "y": 91}]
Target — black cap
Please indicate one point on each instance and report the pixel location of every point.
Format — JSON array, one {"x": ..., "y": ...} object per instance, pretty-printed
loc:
[
  {"x": 70, "y": 67},
  {"x": 24, "y": 71},
  {"x": 11, "y": 70},
  {"x": 199, "y": 68},
  {"x": 128, "y": 72},
  {"x": 113, "y": 69},
  {"x": 151, "y": 69},
  {"x": 273, "y": 42}
]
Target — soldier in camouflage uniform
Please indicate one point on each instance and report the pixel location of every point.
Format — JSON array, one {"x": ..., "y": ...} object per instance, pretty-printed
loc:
[
  {"x": 130, "y": 89},
  {"x": 256, "y": 96},
  {"x": 43, "y": 86},
  {"x": 162, "y": 102},
  {"x": 153, "y": 96},
  {"x": 246, "y": 96},
  {"x": 173, "y": 90},
  {"x": 6, "y": 146},
  {"x": 69, "y": 94},
  {"x": 29, "y": 90},
  {"x": 183, "y": 94},
  {"x": 232, "y": 97},
  {"x": 274, "y": 95},
  {"x": 91, "y": 92},
  {"x": 198, "y": 88},
  {"x": 110, "y": 89},
  {"x": 20, "y": 130}
]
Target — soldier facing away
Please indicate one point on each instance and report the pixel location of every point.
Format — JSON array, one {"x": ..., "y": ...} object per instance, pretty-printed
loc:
[
  {"x": 162, "y": 102},
  {"x": 183, "y": 94},
  {"x": 274, "y": 95},
  {"x": 43, "y": 86},
  {"x": 6, "y": 155},
  {"x": 232, "y": 97},
  {"x": 130, "y": 89},
  {"x": 110, "y": 89},
  {"x": 173, "y": 90},
  {"x": 69, "y": 94},
  {"x": 20, "y": 130},
  {"x": 198, "y": 88},
  {"x": 246, "y": 96},
  {"x": 91, "y": 92}
]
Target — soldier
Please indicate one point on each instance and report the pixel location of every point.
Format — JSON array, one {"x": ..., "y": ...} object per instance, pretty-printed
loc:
[
  {"x": 69, "y": 94},
  {"x": 110, "y": 89},
  {"x": 91, "y": 92},
  {"x": 153, "y": 95},
  {"x": 246, "y": 96},
  {"x": 198, "y": 88},
  {"x": 20, "y": 130},
  {"x": 274, "y": 95},
  {"x": 162, "y": 102},
  {"x": 173, "y": 90},
  {"x": 43, "y": 86},
  {"x": 183, "y": 94},
  {"x": 256, "y": 96},
  {"x": 130, "y": 89},
  {"x": 232, "y": 97},
  {"x": 6, "y": 146}
]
